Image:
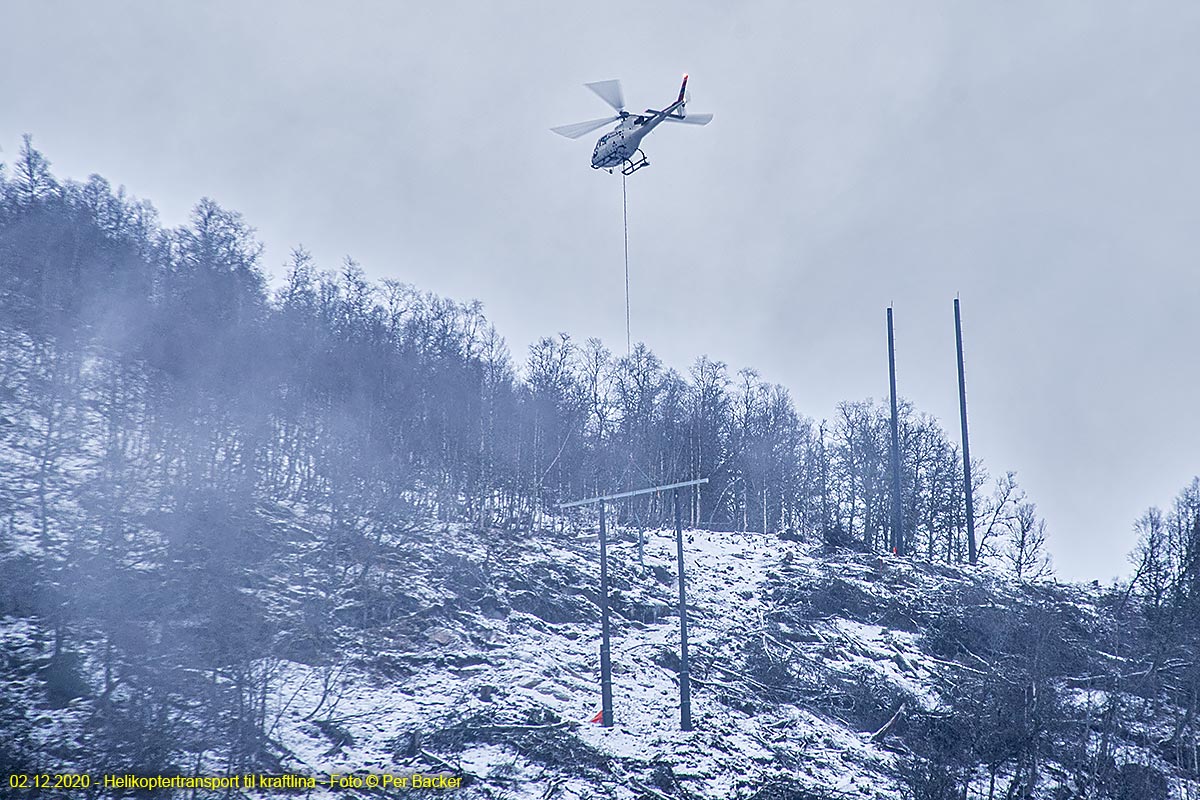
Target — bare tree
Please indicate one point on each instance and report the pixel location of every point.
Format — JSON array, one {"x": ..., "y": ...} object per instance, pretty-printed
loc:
[{"x": 1025, "y": 551}]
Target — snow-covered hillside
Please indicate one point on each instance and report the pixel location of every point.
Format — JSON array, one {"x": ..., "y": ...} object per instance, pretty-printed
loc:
[
  {"x": 501, "y": 677},
  {"x": 808, "y": 669}
]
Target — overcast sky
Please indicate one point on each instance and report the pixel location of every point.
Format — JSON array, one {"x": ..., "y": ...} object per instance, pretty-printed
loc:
[{"x": 1039, "y": 159}]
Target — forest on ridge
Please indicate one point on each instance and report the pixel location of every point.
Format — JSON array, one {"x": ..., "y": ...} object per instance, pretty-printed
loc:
[{"x": 161, "y": 405}]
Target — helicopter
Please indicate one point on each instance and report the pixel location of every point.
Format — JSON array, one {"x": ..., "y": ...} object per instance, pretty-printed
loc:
[{"x": 622, "y": 145}]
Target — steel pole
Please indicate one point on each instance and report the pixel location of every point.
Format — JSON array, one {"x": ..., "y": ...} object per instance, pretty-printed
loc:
[
  {"x": 968, "y": 489},
  {"x": 606, "y": 702},
  {"x": 685, "y": 686},
  {"x": 897, "y": 531}
]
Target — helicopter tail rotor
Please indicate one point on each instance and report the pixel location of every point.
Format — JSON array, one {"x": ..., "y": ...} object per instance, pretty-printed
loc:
[{"x": 680, "y": 114}]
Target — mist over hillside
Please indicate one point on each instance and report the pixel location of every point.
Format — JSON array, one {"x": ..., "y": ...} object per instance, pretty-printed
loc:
[{"x": 315, "y": 529}]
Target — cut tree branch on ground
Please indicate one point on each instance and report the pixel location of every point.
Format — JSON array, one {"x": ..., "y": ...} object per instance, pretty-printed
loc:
[{"x": 878, "y": 735}]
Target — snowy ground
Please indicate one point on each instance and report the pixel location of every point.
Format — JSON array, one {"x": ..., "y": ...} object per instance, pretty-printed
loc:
[
  {"x": 515, "y": 667},
  {"x": 486, "y": 666}
]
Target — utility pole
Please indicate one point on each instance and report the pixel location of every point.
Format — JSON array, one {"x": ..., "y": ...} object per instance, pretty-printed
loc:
[
  {"x": 898, "y": 544},
  {"x": 685, "y": 686},
  {"x": 606, "y": 698},
  {"x": 968, "y": 488},
  {"x": 606, "y": 702}
]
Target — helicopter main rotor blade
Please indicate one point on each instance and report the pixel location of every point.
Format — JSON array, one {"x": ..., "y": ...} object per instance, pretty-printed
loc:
[
  {"x": 575, "y": 130},
  {"x": 610, "y": 92},
  {"x": 691, "y": 119}
]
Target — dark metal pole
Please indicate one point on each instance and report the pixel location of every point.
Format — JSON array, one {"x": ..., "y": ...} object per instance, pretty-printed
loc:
[
  {"x": 968, "y": 491},
  {"x": 606, "y": 703},
  {"x": 897, "y": 532},
  {"x": 685, "y": 685}
]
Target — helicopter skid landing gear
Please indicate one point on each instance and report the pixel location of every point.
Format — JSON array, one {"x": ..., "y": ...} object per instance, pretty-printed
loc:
[{"x": 635, "y": 163}]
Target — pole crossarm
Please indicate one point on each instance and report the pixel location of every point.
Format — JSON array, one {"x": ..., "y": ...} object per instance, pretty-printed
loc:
[{"x": 635, "y": 492}]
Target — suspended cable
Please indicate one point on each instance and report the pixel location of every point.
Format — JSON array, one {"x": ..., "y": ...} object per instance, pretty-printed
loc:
[
  {"x": 628, "y": 339},
  {"x": 625, "y": 213}
]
